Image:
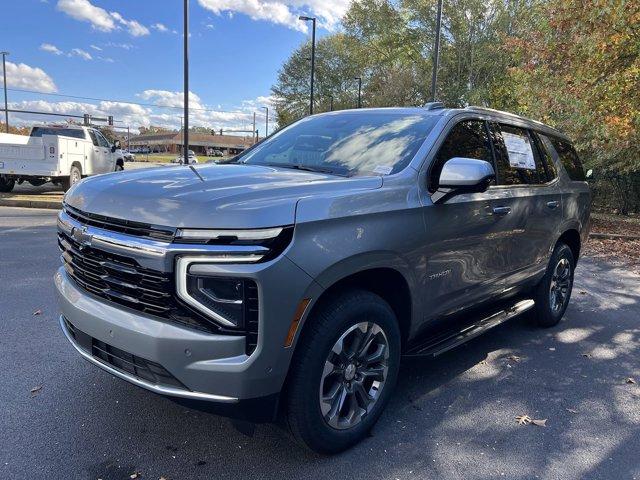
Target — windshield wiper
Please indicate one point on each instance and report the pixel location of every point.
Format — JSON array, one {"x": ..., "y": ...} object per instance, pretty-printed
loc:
[{"x": 295, "y": 166}]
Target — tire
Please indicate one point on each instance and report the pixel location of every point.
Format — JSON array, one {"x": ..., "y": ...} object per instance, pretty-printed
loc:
[
  {"x": 6, "y": 184},
  {"x": 553, "y": 293},
  {"x": 316, "y": 372},
  {"x": 75, "y": 175}
]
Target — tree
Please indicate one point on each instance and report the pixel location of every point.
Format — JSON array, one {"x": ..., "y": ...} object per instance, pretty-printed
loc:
[{"x": 16, "y": 130}]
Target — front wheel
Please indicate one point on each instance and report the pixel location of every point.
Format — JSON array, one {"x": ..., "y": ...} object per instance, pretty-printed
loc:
[
  {"x": 6, "y": 184},
  {"x": 553, "y": 292},
  {"x": 343, "y": 372}
]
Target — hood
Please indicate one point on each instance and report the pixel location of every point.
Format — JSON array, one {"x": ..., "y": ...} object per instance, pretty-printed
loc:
[{"x": 229, "y": 196}]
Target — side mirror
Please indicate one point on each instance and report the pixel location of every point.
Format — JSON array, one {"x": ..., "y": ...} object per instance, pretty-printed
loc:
[{"x": 466, "y": 175}]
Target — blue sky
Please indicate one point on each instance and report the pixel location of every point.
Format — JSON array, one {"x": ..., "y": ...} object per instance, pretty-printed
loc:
[{"x": 132, "y": 51}]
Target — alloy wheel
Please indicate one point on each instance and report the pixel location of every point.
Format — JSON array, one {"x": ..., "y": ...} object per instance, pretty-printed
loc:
[
  {"x": 560, "y": 285},
  {"x": 354, "y": 375}
]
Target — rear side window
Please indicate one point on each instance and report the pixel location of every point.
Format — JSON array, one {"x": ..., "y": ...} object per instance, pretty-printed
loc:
[
  {"x": 468, "y": 139},
  {"x": 569, "y": 159},
  {"x": 545, "y": 148},
  {"x": 65, "y": 132},
  {"x": 517, "y": 158}
]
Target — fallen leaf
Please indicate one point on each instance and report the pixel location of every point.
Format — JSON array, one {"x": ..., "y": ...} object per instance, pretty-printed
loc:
[
  {"x": 552, "y": 349},
  {"x": 514, "y": 358},
  {"x": 135, "y": 475},
  {"x": 523, "y": 419},
  {"x": 582, "y": 292},
  {"x": 540, "y": 423},
  {"x": 571, "y": 410},
  {"x": 36, "y": 390},
  {"x": 37, "y": 312},
  {"x": 630, "y": 380},
  {"x": 586, "y": 355}
]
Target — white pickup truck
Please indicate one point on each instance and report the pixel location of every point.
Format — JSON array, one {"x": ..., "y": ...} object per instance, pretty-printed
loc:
[{"x": 62, "y": 155}]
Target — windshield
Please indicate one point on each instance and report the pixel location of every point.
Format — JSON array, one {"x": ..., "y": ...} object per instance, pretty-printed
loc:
[{"x": 346, "y": 143}]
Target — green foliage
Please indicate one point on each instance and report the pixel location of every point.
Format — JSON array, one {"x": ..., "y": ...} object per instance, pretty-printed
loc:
[{"x": 573, "y": 64}]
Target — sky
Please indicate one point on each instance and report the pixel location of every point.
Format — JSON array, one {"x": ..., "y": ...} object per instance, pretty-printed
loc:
[{"x": 117, "y": 51}]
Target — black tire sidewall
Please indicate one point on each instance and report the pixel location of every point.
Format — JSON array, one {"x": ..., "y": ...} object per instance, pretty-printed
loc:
[
  {"x": 6, "y": 184},
  {"x": 304, "y": 414}
]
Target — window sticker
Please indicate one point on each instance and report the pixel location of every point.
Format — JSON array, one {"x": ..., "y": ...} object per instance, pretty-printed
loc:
[
  {"x": 383, "y": 169},
  {"x": 519, "y": 150}
]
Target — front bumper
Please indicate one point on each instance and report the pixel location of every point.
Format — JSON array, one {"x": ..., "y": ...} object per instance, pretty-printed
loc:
[{"x": 211, "y": 367}]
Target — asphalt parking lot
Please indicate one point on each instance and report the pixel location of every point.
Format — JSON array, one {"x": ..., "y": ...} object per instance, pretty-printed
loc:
[{"x": 453, "y": 417}]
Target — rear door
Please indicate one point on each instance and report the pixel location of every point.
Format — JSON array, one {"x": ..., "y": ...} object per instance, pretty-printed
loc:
[{"x": 529, "y": 179}]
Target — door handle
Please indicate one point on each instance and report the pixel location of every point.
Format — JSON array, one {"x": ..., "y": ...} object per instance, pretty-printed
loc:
[
  {"x": 553, "y": 204},
  {"x": 501, "y": 210}
]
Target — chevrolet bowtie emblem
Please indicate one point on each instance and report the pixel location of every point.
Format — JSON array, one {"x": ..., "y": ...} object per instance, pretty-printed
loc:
[{"x": 81, "y": 236}]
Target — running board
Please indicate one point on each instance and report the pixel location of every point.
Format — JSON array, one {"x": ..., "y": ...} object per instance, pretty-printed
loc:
[{"x": 440, "y": 343}]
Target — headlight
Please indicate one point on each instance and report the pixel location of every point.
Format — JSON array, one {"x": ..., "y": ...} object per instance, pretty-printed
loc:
[{"x": 222, "y": 297}]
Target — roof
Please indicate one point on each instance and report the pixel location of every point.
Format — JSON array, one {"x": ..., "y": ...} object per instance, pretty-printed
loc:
[{"x": 488, "y": 113}]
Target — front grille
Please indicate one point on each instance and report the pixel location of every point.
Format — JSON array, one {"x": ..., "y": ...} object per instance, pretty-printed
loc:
[
  {"x": 127, "y": 227},
  {"x": 124, "y": 361},
  {"x": 122, "y": 280}
]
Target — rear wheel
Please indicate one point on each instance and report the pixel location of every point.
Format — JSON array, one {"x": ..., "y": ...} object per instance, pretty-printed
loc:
[
  {"x": 6, "y": 184},
  {"x": 553, "y": 292},
  {"x": 75, "y": 175},
  {"x": 343, "y": 372}
]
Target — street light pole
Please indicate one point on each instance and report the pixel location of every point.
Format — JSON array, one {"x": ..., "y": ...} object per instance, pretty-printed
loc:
[
  {"x": 359, "y": 91},
  {"x": 185, "y": 146},
  {"x": 436, "y": 53},
  {"x": 331, "y": 103},
  {"x": 266, "y": 127},
  {"x": 313, "y": 55},
  {"x": 6, "y": 108}
]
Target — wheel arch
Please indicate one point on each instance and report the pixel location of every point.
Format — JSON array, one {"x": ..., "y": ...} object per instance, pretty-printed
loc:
[{"x": 571, "y": 237}]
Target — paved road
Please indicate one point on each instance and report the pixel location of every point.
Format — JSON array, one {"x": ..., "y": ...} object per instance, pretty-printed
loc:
[{"x": 449, "y": 418}]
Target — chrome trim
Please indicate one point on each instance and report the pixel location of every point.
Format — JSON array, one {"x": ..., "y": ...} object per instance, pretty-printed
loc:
[
  {"x": 182, "y": 267},
  {"x": 211, "y": 234},
  {"x": 128, "y": 244},
  {"x": 174, "y": 392}
]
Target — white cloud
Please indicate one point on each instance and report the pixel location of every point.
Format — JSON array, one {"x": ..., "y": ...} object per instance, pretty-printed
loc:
[
  {"x": 84, "y": 11},
  {"x": 124, "y": 46},
  {"x": 135, "y": 115},
  {"x": 99, "y": 18},
  {"x": 30, "y": 78},
  {"x": 283, "y": 12},
  {"x": 209, "y": 26},
  {"x": 95, "y": 47},
  {"x": 47, "y": 47},
  {"x": 135, "y": 28},
  {"x": 160, "y": 27},
  {"x": 78, "y": 52}
]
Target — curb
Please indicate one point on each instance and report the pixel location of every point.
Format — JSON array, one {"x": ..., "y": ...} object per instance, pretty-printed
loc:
[{"x": 16, "y": 202}]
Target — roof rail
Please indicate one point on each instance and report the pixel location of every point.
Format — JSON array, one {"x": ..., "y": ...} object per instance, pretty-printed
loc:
[{"x": 433, "y": 105}]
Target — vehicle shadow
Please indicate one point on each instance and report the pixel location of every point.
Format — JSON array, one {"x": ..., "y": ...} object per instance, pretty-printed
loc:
[{"x": 453, "y": 416}]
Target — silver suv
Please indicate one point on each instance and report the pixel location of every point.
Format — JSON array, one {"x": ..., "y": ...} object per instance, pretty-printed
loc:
[{"x": 289, "y": 283}]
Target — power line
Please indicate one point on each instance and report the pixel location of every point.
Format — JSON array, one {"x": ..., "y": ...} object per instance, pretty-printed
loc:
[{"x": 96, "y": 99}]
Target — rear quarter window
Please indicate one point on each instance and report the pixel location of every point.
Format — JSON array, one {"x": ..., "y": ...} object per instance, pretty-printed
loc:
[{"x": 569, "y": 158}]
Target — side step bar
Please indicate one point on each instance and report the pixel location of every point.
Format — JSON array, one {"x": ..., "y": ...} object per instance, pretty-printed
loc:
[{"x": 440, "y": 343}]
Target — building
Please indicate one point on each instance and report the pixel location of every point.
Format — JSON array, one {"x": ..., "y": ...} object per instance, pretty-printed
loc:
[{"x": 200, "y": 143}]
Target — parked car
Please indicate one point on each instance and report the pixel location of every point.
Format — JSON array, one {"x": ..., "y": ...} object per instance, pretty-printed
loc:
[
  {"x": 128, "y": 156},
  {"x": 59, "y": 154},
  {"x": 290, "y": 283},
  {"x": 180, "y": 159}
]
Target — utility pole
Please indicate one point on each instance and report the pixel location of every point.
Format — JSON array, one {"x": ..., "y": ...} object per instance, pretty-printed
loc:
[
  {"x": 331, "y": 103},
  {"x": 6, "y": 107},
  {"x": 313, "y": 55},
  {"x": 254, "y": 126},
  {"x": 128, "y": 139},
  {"x": 185, "y": 147},
  {"x": 359, "y": 79},
  {"x": 266, "y": 127},
  {"x": 436, "y": 53}
]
